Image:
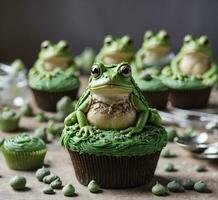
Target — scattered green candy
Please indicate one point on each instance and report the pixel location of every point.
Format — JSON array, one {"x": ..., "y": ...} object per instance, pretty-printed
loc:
[
  {"x": 200, "y": 168},
  {"x": 170, "y": 168},
  {"x": 56, "y": 184},
  {"x": 26, "y": 110},
  {"x": 68, "y": 190},
  {"x": 41, "y": 133},
  {"x": 18, "y": 183},
  {"x": 168, "y": 154},
  {"x": 50, "y": 178},
  {"x": 159, "y": 189},
  {"x": 175, "y": 186},
  {"x": 41, "y": 173},
  {"x": 48, "y": 190},
  {"x": 93, "y": 187},
  {"x": 200, "y": 186},
  {"x": 40, "y": 117},
  {"x": 171, "y": 134},
  {"x": 188, "y": 184}
]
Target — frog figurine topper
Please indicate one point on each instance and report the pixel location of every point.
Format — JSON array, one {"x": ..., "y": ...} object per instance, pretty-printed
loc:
[
  {"x": 195, "y": 59},
  {"x": 53, "y": 56},
  {"x": 116, "y": 50},
  {"x": 112, "y": 101},
  {"x": 155, "y": 50}
]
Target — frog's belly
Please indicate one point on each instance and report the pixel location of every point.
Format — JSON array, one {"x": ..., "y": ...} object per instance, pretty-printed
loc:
[
  {"x": 106, "y": 118},
  {"x": 194, "y": 64}
]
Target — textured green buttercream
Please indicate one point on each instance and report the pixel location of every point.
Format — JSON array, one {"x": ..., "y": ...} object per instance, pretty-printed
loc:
[
  {"x": 23, "y": 142},
  {"x": 56, "y": 81},
  {"x": 155, "y": 84},
  {"x": 113, "y": 143}
]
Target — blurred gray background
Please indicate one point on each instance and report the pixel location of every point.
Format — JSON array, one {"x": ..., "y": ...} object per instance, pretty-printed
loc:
[{"x": 25, "y": 23}]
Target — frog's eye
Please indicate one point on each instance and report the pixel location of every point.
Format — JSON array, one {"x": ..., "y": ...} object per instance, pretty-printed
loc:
[
  {"x": 148, "y": 34},
  {"x": 163, "y": 34},
  {"x": 95, "y": 71},
  {"x": 63, "y": 44},
  {"x": 125, "y": 70},
  {"x": 108, "y": 39},
  {"x": 130, "y": 41},
  {"x": 204, "y": 40},
  {"x": 45, "y": 44},
  {"x": 127, "y": 40},
  {"x": 187, "y": 38}
]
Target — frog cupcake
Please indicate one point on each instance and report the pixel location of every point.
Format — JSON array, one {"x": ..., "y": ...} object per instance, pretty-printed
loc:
[
  {"x": 22, "y": 152},
  {"x": 116, "y": 50},
  {"x": 192, "y": 74},
  {"x": 53, "y": 75},
  {"x": 9, "y": 120},
  {"x": 154, "y": 54},
  {"x": 113, "y": 137}
]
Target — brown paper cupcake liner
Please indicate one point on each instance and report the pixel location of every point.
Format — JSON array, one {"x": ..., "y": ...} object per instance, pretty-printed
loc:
[
  {"x": 190, "y": 99},
  {"x": 156, "y": 99},
  {"x": 48, "y": 100},
  {"x": 114, "y": 172}
]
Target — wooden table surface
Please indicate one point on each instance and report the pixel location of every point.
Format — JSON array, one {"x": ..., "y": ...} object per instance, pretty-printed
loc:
[{"x": 60, "y": 164}]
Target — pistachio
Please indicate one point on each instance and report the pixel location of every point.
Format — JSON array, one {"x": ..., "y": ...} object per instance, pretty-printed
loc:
[
  {"x": 168, "y": 154},
  {"x": 175, "y": 186},
  {"x": 93, "y": 187},
  {"x": 41, "y": 173},
  {"x": 159, "y": 189},
  {"x": 200, "y": 168},
  {"x": 170, "y": 168},
  {"x": 18, "y": 182},
  {"x": 68, "y": 190},
  {"x": 200, "y": 186},
  {"x": 50, "y": 178},
  {"x": 56, "y": 184},
  {"x": 188, "y": 184},
  {"x": 48, "y": 190}
]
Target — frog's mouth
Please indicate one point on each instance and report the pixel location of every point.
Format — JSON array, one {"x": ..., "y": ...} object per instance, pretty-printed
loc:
[
  {"x": 111, "y": 89},
  {"x": 117, "y": 57},
  {"x": 56, "y": 62}
]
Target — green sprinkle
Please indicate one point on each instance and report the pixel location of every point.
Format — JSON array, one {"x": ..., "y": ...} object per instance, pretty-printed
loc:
[
  {"x": 18, "y": 183},
  {"x": 93, "y": 187}
]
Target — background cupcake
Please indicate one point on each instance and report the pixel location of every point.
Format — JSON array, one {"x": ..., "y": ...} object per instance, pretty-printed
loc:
[
  {"x": 9, "y": 120},
  {"x": 53, "y": 75},
  {"x": 113, "y": 137},
  {"x": 22, "y": 152},
  {"x": 192, "y": 74}
]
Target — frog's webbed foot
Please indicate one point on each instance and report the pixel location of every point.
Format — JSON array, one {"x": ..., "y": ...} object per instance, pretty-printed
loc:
[
  {"x": 86, "y": 131},
  {"x": 131, "y": 130}
]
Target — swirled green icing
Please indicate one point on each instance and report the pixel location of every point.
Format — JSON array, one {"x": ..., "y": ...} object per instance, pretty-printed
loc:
[
  {"x": 55, "y": 81},
  {"x": 155, "y": 84},
  {"x": 113, "y": 143},
  {"x": 23, "y": 142}
]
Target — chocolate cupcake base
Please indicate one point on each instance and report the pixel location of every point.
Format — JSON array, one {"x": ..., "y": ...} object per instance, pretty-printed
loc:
[
  {"x": 48, "y": 100},
  {"x": 190, "y": 99},
  {"x": 114, "y": 172},
  {"x": 156, "y": 99}
]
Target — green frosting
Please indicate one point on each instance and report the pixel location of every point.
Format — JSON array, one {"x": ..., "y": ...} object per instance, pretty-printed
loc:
[
  {"x": 56, "y": 81},
  {"x": 113, "y": 143},
  {"x": 155, "y": 84},
  {"x": 23, "y": 142}
]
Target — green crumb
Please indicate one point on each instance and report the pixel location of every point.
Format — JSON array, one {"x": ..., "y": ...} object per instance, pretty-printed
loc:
[
  {"x": 18, "y": 182},
  {"x": 68, "y": 190},
  {"x": 200, "y": 168},
  {"x": 40, "y": 117},
  {"x": 170, "y": 168},
  {"x": 168, "y": 154},
  {"x": 159, "y": 189},
  {"x": 175, "y": 186},
  {"x": 41, "y": 173},
  {"x": 188, "y": 184},
  {"x": 56, "y": 184},
  {"x": 50, "y": 178},
  {"x": 200, "y": 186},
  {"x": 93, "y": 187},
  {"x": 48, "y": 190}
]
